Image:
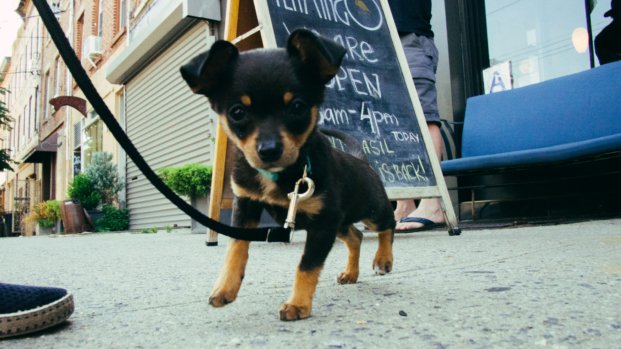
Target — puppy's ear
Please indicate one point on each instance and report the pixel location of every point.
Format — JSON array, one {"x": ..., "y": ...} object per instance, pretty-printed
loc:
[
  {"x": 205, "y": 72},
  {"x": 321, "y": 56}
]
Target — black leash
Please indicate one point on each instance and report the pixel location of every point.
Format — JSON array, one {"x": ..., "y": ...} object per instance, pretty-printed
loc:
[{"x": 274, "y": 234}]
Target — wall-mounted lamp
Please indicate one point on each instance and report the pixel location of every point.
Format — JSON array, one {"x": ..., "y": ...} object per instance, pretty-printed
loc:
[{"x": 580, "y": 38}]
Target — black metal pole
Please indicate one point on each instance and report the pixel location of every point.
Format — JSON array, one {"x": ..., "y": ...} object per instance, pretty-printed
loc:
[{"x": 590, "y": 31}]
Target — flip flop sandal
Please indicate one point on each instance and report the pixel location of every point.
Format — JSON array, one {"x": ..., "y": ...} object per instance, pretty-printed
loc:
[
  {"x": 26, "y": 309},
  {"x": 427, "y": 225}
]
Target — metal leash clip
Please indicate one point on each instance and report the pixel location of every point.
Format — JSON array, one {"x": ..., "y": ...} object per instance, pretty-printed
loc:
[{"x": 296, "y": 199}]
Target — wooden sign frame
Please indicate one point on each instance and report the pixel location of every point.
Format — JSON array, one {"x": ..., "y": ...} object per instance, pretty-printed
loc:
[{"x": 266, "y": 30}]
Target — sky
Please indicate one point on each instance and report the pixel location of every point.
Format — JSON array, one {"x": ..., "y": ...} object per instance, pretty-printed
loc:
[{"x": 9, "y": 24}]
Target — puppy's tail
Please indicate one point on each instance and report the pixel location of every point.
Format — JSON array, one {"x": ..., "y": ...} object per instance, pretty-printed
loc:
[{"x": 355, "y": 149}]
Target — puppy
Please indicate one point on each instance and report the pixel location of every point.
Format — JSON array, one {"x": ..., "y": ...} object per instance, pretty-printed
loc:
[{"x": 268, "y": 104}]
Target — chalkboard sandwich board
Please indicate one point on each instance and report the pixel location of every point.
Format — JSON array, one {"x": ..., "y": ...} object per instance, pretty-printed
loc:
[{"x": 370, "y": 98}]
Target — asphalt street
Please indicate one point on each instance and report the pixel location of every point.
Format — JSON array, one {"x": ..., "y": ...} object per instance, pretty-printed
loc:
[{"x": 535, "y": 287}]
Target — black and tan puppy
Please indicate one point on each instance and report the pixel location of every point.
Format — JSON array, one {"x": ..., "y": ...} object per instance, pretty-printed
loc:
[{"x": 268, "y": 103}]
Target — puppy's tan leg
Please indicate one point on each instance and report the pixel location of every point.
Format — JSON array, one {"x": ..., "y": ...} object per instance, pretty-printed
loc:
[
  {"x": 319, "y": 241},
  {"x": 300, "y": 304},
  {"x": 227, "y": 286},
  {"x": 382, "y": 263},
  {"x": 352, "y": 239},
  {"x": 246, "y": 214}
]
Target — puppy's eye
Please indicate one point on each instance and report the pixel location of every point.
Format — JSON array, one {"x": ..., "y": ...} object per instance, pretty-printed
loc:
[
  {"x": 237, "y": 113},
  {"x": 298, "y": 108}
]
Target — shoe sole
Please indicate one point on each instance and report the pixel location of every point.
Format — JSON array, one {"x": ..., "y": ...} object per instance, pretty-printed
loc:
[
  {"x": 421, "y": 229},
  {"x": 37, "y": 319}
]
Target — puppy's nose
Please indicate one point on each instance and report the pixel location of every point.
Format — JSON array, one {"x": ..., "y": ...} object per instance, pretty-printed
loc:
[{"x": 269, "y": 150}]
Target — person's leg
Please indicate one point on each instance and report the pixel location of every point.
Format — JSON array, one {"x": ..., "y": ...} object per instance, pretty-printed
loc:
[
  {"x": 428, "y": 208},
  {"x": 422, "y": 56}
]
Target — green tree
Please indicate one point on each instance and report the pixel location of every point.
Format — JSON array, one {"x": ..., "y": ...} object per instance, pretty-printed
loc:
[
  {"x": 104, "y": 176},
  {"x": 5, "y": 120}
]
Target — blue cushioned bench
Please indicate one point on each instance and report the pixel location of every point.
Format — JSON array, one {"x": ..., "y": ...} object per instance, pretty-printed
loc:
[{"x": 564, "y": 120}]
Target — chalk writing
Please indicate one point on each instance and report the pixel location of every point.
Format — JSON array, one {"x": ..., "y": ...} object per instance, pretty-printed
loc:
[
  {"x": 405, "y": 136},
  {"x": 351, "y": 43},
  {"x": 376, "y": 117},
  {"x": 333, "y": 116},
  {"x": 337, "y": 143},
  {"x": 405, "y": 171},
  {"x": 377, "y": 147},
  {"x": 339, "y": 11},
  {"x": 366, "y": 86}
]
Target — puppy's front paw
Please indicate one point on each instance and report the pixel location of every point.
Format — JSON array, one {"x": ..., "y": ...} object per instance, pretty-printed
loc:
[
  {"x": 221, "y": 297},
  {"x": 382, "y": 264},
  {"x": 347, "y": 278},
  {"x": 291, "y": 312}
]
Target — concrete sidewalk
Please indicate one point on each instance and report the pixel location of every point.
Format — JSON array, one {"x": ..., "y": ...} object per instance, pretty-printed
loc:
[{"x": 553, "y": 286}]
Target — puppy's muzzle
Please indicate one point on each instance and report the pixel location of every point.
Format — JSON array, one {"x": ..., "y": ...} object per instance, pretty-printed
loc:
[{"x": 269, "y": 150}]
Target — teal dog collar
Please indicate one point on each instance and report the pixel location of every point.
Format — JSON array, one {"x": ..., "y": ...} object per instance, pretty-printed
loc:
[{"x": 274, "y": 176}]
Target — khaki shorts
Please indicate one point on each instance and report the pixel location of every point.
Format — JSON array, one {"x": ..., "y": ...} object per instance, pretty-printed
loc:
[{"x": 422, "y": 56}]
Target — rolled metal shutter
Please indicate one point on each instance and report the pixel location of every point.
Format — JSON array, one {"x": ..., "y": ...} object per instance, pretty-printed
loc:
[{"x": 169, "y": 125}]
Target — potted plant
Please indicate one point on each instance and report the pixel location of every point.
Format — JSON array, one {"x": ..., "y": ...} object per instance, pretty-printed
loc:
[
  {"x": 191, "y": 180},
  {"x": 46, "y": 214},
  {"x": 82, "y": 189},
  {"x": 98, "y": 185}
]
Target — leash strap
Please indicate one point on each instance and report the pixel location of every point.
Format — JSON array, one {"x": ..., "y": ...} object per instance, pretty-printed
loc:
[{"x": 273, "y": 234}]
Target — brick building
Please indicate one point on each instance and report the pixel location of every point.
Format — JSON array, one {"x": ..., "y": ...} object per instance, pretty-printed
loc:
[
  {"x": 51, "y": 145},
  {"x": 25, "y": 101},
  {"x": 99, "y": 35}
]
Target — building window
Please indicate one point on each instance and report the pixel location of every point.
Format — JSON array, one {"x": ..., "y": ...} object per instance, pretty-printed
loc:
[
  {"x": 24, "y": 125},
  {"x": 11, "y": 86},
  {"x": 19, "y": 124},
  {"x": 36, "y": 106},
  {"x": 27, "y": 59},
  {"x": 543, "y": 40},
  {"x": 30, "y": 117},
  {"x": 20, "y": 74},
  {"x": 122, "y": 13},
  {"x": 100, "y": 19},
  {"x": 34, "y": 41},
  {"x": 57, "y": 79},
  {"x": 21, "y": 71},
  {"x": 46, "y": 107},
  {"x": 93, "y": 138},
  {"x": 79, "y": 33},
  {"x": 77, "y": 147}
]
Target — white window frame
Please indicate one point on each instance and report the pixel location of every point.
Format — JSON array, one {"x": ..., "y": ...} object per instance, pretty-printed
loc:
[{"x": 57, "y": 78}]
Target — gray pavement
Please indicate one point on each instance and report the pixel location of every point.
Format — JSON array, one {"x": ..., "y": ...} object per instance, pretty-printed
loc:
[{"x": 535, "y": 287}]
